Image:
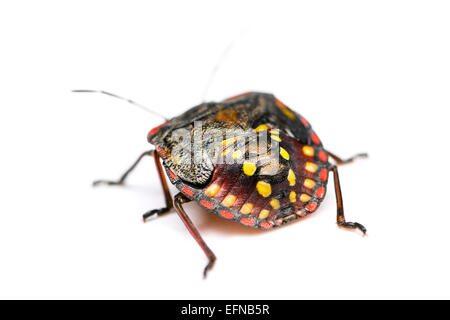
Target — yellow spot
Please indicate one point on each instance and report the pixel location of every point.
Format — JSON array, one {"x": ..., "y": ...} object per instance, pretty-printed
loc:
[
  {"x": 309, "y": 183},
  {"x": 311, "y": 167},
  {"x": 264, "y": 214},
  {"x": 292, "y": 196},
  {"x": 237, "y": 154},
  {"x": 261, "y": 128},
  {"x": 247, "y": 208},
  {"x": 275, "y": 203},
  {"x": 264, "y": 188},
  {"x": 249, "y": 168},
  {"x": 308, "y": 151},
  {"x": 274, "y": 131},
  {"x": 304, "y": 197},
  {"x": 212, "y": 190},
  {"x": 229, "y": 141},
  {"x": 229, "y": 200},
  {"x": 288, "y": 112},
  {"x": 274, "y": 137},
  {"x": 291, "y": 177},
  {"x": 284, "y": 153},
  {"x": 225, "y": 152}
]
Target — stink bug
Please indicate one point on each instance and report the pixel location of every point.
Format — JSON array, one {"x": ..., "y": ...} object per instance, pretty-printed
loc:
[{"x": 277, "y": 170}]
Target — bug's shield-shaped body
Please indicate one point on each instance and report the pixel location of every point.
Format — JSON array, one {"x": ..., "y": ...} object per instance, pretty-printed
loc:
[{"x": 249, "y": 159}]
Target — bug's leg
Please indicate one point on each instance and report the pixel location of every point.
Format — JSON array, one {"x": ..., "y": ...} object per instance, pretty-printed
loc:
[
  {"x": 340, "y": 206},
  {"x": 179, "y": 200},
  {"x": 168, "y": 198},
  {"x": 125, "y": 175},
  {"x": 340, "y": 161}
]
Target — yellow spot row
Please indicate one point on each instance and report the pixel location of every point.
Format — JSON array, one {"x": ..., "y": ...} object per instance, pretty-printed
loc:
[
  {"x": 311, "y": 167},
  {"x": 275, "y": 203},
  {"x": 308, "y": 183},
  {"x": 304, "y": 197},
  {"x": 212, "y": 190},
  {"x": 264, "y": 214},
  {"x": 264, "y": 188},
  {"x": 249, "y": 168},
  {"x": 276, "y": 138},
  {"x": 288, "y": 113},
  {"x": 229, "y": 200},
  {"x": 247, "y": 208},
  {"x": 261, "y": 128},
  {"x": 308, "y": 151},
  {"x": 229, "y": 141},
  {"x": 284, "y": 153},
  {"x": 291, "y": 177},
  {"x": 237, "y": 154},
  {"x": 293, "y": 196}
]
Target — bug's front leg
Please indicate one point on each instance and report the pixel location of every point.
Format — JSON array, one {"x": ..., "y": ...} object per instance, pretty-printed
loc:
[
  {"x": 162, "y": 178},
  {"x": 124, "y": 176},
  {"x": 179, "y": 200},
  {"x": 340, "y": 206}
]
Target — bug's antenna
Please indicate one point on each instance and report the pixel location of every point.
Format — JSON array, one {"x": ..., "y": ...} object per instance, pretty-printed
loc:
[
  {"x": 219, "y": 62},
  {"x": 125, "y": 99}
]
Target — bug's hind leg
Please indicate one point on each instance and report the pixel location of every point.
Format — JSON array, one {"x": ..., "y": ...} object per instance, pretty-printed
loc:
[
  {"x": 340, "y": 161},
  {"x": 340, "y": 206},
  {"x": 179, "y": 200},
  {"x": 162, "y": 178}
]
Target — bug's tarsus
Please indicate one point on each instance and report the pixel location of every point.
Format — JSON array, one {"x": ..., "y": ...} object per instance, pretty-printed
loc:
[
  {"x": 121, "y": 181},
  {"x": 340, "y": 161},
  {"x": 106, "y": 183},
  {"x": 122, "y": 98},
  {"x": 340, "y": 206},
  {"x": 179, "y": 200},
  {"x": 354, "y": 225},
  {"x": 153, "y": 212},
  {"x": 209, "y": 266}
]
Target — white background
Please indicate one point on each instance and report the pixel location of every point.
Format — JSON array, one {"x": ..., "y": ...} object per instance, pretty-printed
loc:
[{"x": 369, "y": 75}]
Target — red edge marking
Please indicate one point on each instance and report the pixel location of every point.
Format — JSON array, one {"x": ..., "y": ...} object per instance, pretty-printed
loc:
[
  {"x": 227, "y": 214},
  {"x": 172, "y": 175},
  {"x": 266, "y": 224},
  {"x": 305, "y": 123},
  {"x": 248, "y": 222},
  {"x": 320, "y": 192},
  {"x": 279, "y": 103},
  {"x": 312, "y": 206},
  {"x": 237, "y": 96},
  {"x": 323, "y": 156},
  {"x": 324, "y": 174},
  {"x": 206, "y": 204},
  {"x": 155, "y": 130},
  {"x": 301, "y": 213},
  {"x": 187, "y": 191},
  {"x": 160, "y": 151},
  {"x": 315, "y": 138}
]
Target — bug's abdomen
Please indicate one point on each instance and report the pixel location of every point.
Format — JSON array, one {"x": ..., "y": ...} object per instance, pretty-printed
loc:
[{"x": 271, "y": 189}]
